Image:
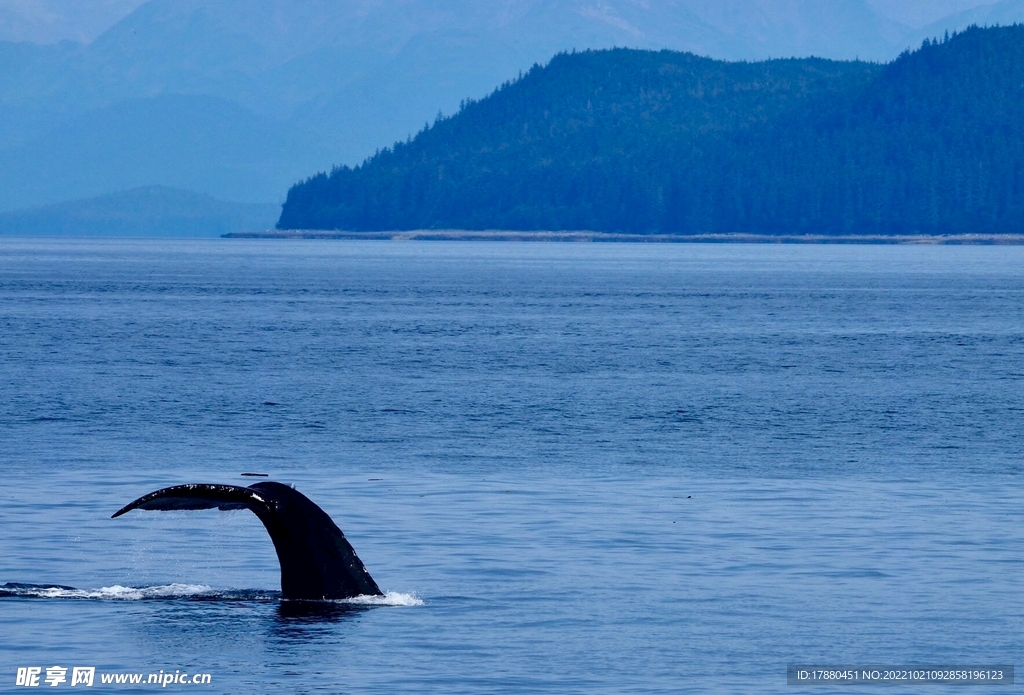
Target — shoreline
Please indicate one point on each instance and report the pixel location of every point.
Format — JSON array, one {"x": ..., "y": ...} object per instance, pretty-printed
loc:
[{"x": 605, "y": 237}]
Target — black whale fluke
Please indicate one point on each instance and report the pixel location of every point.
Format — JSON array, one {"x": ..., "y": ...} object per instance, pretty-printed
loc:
[{"x": 317, "y": 561}]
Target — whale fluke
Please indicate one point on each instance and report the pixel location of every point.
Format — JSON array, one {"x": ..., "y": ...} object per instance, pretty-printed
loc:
[{"x": 317, "y": 561}]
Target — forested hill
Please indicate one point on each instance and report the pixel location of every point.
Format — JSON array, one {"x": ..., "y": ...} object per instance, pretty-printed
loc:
[{"x": 639, "y": 141}]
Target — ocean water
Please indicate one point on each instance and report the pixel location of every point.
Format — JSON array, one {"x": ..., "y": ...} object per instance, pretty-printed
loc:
[{"x": 575, "y": 468}]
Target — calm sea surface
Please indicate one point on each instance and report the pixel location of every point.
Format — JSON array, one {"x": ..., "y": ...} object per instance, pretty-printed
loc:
[{"x": 576, "y": 468}]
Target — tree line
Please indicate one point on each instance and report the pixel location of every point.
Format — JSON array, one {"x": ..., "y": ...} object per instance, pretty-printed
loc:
[{"x": 665, "y": 142}]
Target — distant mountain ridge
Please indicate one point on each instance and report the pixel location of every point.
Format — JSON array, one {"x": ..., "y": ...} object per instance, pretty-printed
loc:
[
  {"x": 52, "y": 21},
  {"x": 642, "y": 142},
  {"x": 240, "y": 98},
  {"x": 146, "y": 211}
]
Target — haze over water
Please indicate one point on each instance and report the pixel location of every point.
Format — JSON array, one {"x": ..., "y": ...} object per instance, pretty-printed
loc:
[{"x": 578, "y": 467}]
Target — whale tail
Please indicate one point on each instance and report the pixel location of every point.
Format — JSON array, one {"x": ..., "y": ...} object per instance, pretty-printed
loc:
[{"x": 317, "y": 561}]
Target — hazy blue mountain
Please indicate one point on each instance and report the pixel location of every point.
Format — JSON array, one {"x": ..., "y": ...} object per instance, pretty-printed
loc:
[
  {"x": 1001, "y": 13},
  {"x": 240, "y": 98},
  {"x": 51, "y": 21},
  {"x": 147, "y": 211},
  {"x": 921, "y": 13},
  {"x": 190, "y": 142}
]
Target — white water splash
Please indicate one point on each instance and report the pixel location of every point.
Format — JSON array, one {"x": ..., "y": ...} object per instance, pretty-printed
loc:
[
  {"x": 117, "y": 592},
  {"x": 391, "y": 598},
  {"x": 173, "y": 591}
]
